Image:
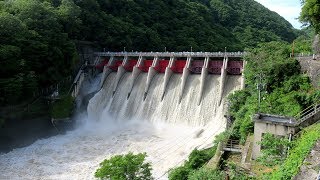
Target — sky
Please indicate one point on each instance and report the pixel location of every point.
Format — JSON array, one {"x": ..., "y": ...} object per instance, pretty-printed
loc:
[{"x": 289, "y": 9}]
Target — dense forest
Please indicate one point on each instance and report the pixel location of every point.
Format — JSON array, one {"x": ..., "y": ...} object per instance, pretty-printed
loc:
[{"x": 38, "y": 49}]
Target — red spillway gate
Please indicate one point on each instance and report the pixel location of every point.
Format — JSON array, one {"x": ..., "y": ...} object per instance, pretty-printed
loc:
[
  {"x": 145, "y": 65},
  {"x": 115, "y": 65},
  {"x": 196, "y": 66},
  {"x": 131, "y": 63},
  {"x": 235, "y": 67},
  {"x": 163, "y": 64},
  {"x": 178, "y": 66},
  {"x": 102, "y": 64},
  {"x": 214, "y": 67}
]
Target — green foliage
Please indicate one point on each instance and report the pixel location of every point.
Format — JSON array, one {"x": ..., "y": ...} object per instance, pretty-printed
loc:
[
  {"x": 222, "y": 137},
  {"x": 181, "y": 172},
  {"x": 284, "y": 91},
  {"x": 243, "y": 123},
  {"x": 234, "y": 173},
  {"x": 303, "y": 45},
  {"x": 271, "y": 61},
  {"x": 204, "y": 25},
  {"x": 237, "y": 173},
  {"x": 62, "y": 108},
  {"x": 315, "y": 96},
  {"x": 253, "y": 23},
  {"x": 207, "y": 174},
  {"x": 273, "y": 150},
  {"x": 301, "y": 148},
  {"x": 237, "y": 100},
  {"x": 196, "y": 160},
  {"x": 35, "y": 49},
  {"x": 123, "y": 167},
  {"x": 310, "y": 13}
]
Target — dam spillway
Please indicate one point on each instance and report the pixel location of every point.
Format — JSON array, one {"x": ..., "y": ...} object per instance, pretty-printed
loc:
[
  {"x": 169, "y": 63},
  {"x": 206, "y": 118},
  {"x": 167, "y": 127},
  {"x": 153, "y": 108},
  {"x": 177, "y": 91}
]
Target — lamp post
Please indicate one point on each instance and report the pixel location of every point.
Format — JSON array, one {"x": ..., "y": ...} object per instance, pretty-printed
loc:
[
  {"x": 165, "y": 49},
  {"x": 191, "y": 48},
  {"x": 124, "y": 49}
]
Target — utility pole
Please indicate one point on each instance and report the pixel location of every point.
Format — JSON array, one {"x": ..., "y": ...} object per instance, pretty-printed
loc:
[
  {"x": 292, "y": 50},
  {"x": 260, "y": 86}
]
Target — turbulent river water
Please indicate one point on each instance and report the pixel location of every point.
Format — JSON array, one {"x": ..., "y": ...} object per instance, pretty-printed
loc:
[{"x": 166, "y": 130}]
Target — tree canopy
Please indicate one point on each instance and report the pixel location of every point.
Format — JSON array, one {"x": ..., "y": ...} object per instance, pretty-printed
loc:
[
  {"x": 310, "y": 13},
  {"x": 123, "y": 167},
  {"x": 206, "y": 25}
]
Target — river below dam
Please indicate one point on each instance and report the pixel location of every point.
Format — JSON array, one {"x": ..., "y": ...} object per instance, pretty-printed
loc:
[{"x": 166, "y": 130}]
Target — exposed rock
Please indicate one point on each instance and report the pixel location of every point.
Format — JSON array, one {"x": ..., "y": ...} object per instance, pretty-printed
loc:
[
  {"x": 311, "y": 166},
  {"x": 312, "y": 68}
]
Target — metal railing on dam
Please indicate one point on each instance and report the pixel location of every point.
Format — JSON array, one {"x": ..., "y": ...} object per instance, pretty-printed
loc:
[{"x": 172, "y": 54}]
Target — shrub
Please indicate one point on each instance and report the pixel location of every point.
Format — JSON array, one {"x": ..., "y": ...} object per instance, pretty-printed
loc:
[
  {"x": 180, "y": 173},
  {"x": 207, "y": 174},
  {"x": 273, "y": 149},
  {"x": 196, "y": 160},
  {"x": 298, "y": 153},
  {"x": 123, "y": 167},
  {"x": 63, "y": 107}
]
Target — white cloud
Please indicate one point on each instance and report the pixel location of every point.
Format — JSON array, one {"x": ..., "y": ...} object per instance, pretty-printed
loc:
[{"x": 289, "y": 9}]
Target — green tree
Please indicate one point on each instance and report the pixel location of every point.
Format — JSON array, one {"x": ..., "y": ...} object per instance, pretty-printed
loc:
[
  {"x": 35, "y": 45},
  {"x": 310, "y": 13},
  {"x": 69, "y": 15},
  {"x": 123, "y": 167}
]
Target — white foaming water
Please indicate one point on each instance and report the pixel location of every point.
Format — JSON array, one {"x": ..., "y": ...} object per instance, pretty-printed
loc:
[{"x": 165, "y": 130}]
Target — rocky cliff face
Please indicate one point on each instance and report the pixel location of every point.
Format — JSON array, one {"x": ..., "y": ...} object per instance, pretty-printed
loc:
[{"x": 312, "y": 68}]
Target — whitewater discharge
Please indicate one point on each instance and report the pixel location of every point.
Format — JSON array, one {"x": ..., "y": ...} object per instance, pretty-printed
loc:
[{"x": 166, "y": 130}]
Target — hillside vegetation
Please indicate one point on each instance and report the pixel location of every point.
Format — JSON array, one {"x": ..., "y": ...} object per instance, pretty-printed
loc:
[
  {"x": 301, "y": 148},
  {"x": 179, "y": 24},
  {"x": 37, "y": 46}
]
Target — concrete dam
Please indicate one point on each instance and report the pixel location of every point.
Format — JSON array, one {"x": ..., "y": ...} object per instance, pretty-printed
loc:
[
  {"x": 164, "y": 104},
  {"x": 185, "y": 87}
]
